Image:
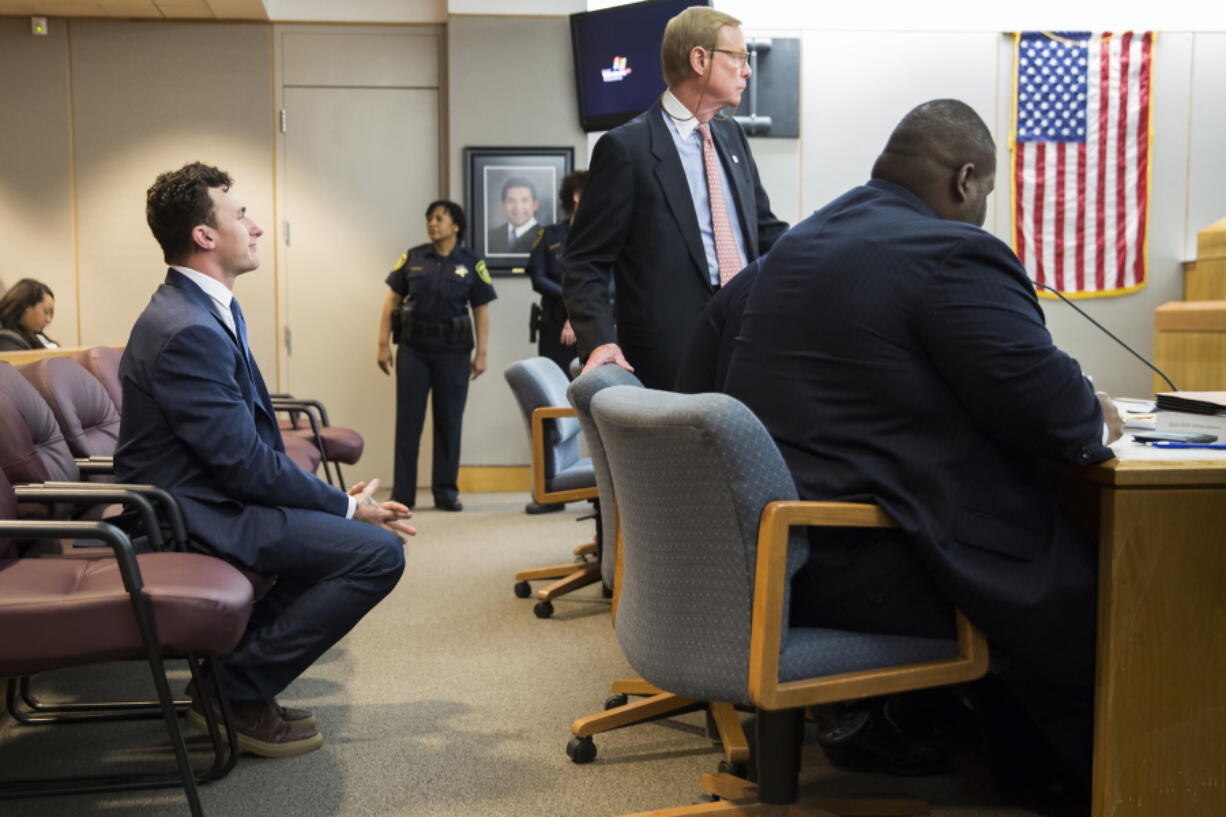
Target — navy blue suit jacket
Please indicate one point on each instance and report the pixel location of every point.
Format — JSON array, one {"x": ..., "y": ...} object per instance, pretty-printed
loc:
[
  {"x": 636, "y": 224},
  {"x": 903, "y": 359},
  {"x": 197, "y": 421}
]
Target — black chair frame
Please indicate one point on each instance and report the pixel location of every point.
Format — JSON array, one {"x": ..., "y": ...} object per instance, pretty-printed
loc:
[
  {"x": 22, "y": 704},
  {"x": 317, "y": 418},
  {"x": 225, "y": 751}
]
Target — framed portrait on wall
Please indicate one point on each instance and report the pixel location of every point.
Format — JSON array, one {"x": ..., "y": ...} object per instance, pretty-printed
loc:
[{"x": 510, "y": 193}]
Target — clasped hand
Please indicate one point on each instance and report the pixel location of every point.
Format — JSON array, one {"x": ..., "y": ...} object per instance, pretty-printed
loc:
[{"x": 384, "y": 514}]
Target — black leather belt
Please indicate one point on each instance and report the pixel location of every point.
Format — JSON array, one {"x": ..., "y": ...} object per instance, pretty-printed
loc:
[{"x": 432, "y": 330}]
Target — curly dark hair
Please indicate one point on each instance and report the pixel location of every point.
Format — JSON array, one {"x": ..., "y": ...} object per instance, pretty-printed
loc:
[
  {"x": 455, "y": 211},
  {"x": 21, "y": 296},
  {"x": 572, "y": 183},
  {"x": 178, "y": 201}
]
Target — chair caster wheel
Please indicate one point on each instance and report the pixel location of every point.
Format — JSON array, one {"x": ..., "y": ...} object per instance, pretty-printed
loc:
[
  {"x": 581, "y": 750},
  {"x": 543, "y": 609},
  {"x": 522, "y": 590},
  {"x": 614, "y": 701},
  {"x": 735, "y": 769}
]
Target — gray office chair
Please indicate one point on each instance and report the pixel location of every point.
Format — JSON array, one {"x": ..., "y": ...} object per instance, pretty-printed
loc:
[
  {"x": 707, "y": 512},
  {"x": 559, "y": 474},
  {"x": 655, "y": 703}
]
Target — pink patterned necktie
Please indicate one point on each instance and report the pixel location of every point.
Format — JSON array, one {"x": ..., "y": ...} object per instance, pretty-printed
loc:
[{"x": 726, "y": 253}]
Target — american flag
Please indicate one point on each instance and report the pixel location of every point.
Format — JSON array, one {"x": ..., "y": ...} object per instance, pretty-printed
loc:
[{"x": 1081, "y": 159}]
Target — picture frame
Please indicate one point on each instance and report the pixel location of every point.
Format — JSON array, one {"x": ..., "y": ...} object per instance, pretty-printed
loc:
[{"x": 509, "y": 193}]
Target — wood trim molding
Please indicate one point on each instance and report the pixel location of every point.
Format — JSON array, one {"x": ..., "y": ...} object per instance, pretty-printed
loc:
[
  {"x": 479, "y": 479},
  {"x": 1191, "y": 316},
  {"x": 30, "y": 355}
]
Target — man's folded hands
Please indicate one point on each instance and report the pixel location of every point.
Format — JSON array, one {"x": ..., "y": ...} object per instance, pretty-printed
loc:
[{"x": 384, "y": 514}]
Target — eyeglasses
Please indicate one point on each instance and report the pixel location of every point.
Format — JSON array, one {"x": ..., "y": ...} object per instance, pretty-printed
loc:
[{"x": 741, "y": 57}]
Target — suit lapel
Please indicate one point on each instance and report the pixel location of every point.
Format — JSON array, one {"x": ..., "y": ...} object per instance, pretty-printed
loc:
[
  {"x": 252, "y": 385},
  {"x": 676, "y": 189},
  {"x": 199, "y": 297},
  {"x": 736, "y": 164}
]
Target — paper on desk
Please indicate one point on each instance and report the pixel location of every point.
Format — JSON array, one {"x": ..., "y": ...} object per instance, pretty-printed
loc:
[{"x": 1136, "y": 413}]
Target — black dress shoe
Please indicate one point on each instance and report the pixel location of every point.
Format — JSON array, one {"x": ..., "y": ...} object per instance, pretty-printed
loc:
[
  {"x": 860, "y": 737},
  {"x": 448, "y": 504},
  {"x": 545, "y": 507}
]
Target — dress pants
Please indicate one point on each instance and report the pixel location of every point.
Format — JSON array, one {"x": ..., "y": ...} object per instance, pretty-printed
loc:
[
  {"x": 549, "y": 345},
  {"x": 872, "y": 580},
  {"x": 330, "y": 572},
  {"x": 444, "y": 376}
]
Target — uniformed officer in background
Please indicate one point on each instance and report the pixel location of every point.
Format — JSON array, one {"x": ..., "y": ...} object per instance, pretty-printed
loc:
[
  {"x": 556, "y": 338},
  {"x": 427, "y": 314}
]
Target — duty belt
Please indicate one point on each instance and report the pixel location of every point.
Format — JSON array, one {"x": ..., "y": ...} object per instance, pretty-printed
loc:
[{"x": 433, "y": 330}]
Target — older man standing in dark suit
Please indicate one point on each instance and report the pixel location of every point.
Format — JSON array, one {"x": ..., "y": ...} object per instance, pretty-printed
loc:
[
  {"x": 198, "y": 422},
  {"x": 673, "y": 208},
  {"x": 897, "y": 354}
]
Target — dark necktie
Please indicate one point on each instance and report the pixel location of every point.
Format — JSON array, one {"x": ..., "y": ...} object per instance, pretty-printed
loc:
[
  {"x": 240, "y": 329},
  {"x": 261, "y": 391}
]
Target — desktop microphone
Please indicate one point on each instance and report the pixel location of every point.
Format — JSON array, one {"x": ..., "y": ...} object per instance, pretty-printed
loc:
[{"x": 1086, "y": 315}]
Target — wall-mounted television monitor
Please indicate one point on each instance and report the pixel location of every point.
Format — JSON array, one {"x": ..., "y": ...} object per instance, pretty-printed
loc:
[{"x": 617, "y": 59}]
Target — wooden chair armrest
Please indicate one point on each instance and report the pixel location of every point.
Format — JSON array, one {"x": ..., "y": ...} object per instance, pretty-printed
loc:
[
  {"x": 539, "y": 494},
  {"x": 766, "y": 638}
]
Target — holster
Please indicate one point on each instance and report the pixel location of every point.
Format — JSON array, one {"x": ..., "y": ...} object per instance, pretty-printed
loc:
[
  {"x": 534, "y": 322},
  {"x": 462, "y": 330},
  {"x": 402, "y": 321}
]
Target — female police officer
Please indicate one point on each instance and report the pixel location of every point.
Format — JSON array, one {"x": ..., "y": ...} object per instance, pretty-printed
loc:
[{"x": 432, "y": 288}]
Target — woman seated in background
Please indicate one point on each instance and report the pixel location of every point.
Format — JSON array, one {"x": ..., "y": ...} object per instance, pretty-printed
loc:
[{"x": 25, "y": 311}]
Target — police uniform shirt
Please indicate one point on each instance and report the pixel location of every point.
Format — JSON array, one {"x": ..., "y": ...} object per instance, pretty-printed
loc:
[
  {"x": 441, "y": 287},
  {"x": 545, "y": 268}
]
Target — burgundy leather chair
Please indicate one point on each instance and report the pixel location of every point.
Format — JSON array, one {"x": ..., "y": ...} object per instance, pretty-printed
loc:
[
  {"x": 103, "y": 363},
  {"x": 82, "y": 408},
  {"x": 57, "y": 613},
  {"x": 308, "y": 420},
  {"x": 47, "y": 456}
]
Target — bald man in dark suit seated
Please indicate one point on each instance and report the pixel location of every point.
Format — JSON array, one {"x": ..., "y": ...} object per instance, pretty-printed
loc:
[{"x": 897, "y": 354}]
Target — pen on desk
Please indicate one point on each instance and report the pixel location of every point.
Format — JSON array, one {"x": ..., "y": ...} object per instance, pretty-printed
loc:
[{"x": 1172, "y": 444}]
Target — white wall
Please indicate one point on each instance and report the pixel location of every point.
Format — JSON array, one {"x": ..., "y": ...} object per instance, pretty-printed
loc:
[
  {"x": 482, "y": 114},
  {"x": 36, "y": 169},
  {"x": 1206, "y": 169},
  {"x": 976, "y": 15}
]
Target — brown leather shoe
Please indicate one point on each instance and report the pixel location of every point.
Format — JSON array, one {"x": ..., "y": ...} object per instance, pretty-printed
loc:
[
  {"x": 262, "y": 731},
  {"x": 298, "y": 717}
]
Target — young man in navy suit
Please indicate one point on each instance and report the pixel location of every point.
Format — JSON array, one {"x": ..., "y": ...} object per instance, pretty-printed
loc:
[
  {"x": 197, "y": 421},
  {"x": 897, "y": 354},
  {"x": 673, "y": 208}
]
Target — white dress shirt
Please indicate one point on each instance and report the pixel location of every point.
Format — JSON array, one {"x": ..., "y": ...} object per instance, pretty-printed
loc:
[
  {"x": 221, "y": 296},
  {"x": 683, "y": 125}
]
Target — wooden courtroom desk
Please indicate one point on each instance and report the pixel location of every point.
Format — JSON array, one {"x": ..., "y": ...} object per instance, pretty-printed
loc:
[{"x": 1160, "y": 710}]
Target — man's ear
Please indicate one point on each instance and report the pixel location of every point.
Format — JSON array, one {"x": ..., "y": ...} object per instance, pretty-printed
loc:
[
  {"x": 698, "y": 60},
  {"x": 204, "y": 237},
  {"x": 963, "y": 181}
]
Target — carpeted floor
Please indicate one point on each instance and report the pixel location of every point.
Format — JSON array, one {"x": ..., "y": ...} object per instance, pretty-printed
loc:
[{"x": 452, "y": 699}]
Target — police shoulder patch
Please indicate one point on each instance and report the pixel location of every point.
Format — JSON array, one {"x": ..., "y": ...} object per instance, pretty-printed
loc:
[
  {"x": 404, "y": 256},
  {"x": 539, "y": 235},
  {"x": 483, "y": 272}
]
